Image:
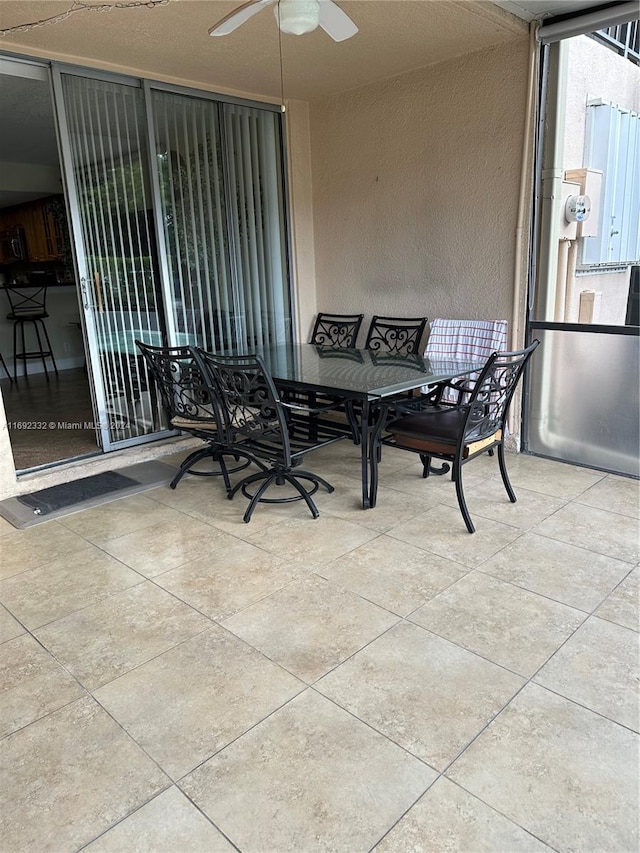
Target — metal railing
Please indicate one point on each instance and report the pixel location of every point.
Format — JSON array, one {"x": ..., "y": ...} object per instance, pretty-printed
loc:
[{"x": 623, "y": 38}]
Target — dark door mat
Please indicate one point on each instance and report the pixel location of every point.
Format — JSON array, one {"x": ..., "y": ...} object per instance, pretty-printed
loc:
[
  {"x": 84, "y": 493},
  {"x": 67, "y": 495}
]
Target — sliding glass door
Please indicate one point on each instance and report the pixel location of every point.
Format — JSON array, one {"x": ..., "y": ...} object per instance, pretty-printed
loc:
[
  {"x": 110, "y": 195},
  {"x": 219, "y": 171},
  {"x": 177, "y": 207}
]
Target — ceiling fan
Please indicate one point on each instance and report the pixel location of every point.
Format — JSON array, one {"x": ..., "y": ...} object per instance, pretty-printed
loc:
[{"x": 293, "y": 16}]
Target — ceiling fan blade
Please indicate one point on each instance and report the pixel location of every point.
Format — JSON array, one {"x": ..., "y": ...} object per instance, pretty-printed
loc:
[
  {"x": 233, "y": 20},
  {"x": 335, "y": 22}
]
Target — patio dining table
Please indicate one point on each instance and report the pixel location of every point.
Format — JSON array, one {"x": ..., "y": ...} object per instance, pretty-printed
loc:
[{"x": 363, "y": 375}]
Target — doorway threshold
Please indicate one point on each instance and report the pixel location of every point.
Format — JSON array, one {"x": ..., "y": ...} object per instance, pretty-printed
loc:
[
  {"x": 85, "y": 493},
  {"x": 58, "y": 463}
]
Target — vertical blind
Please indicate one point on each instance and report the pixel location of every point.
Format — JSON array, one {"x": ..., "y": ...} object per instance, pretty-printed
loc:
[
  {"x": 220, "y": 173},
  {"x": 215, "y": 195},
  {"x": 109, "y": 159}
]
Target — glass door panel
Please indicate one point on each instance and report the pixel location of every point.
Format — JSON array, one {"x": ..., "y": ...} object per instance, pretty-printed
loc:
[
  {"x": 193, "y": 216},
  {"x": 257, "y": 224},
  {"x": 117, "y": 258}
]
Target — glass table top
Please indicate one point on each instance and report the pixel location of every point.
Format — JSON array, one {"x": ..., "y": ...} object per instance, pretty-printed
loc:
[{"x": 358, "y": 372}]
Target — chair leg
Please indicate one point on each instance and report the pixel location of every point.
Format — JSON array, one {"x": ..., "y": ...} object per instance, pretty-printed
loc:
[
  {"x": 256, "y": 498},
  {"x": 49, "y": 347},
  {"x": 304, "y": 494},
  {"x": 503, "y": 472},
  {"x": 457, "y": 476},
  {"x": 353, "y": 422},
  {"x": 41, "y": 349},
  {"x": 426, "y": 462},
  {"x": 5, "y": 367},
  {"x": 191, "y": 459}
]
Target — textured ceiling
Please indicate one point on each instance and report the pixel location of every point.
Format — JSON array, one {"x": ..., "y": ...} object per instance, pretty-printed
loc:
[
  {"x": 171, "y": 42},
  {"x": 536, "y": 10}
]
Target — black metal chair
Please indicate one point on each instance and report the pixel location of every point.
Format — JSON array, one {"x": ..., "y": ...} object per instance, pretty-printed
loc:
[
  {"x": 396, "y": 335},
  {"x": 256, "y": 423},
  {"x": 458, "y": 433},
  {"x": 28, "y": 304},
  {"x": 190, "y": 407},
  {"x": 336, "y": 330}
]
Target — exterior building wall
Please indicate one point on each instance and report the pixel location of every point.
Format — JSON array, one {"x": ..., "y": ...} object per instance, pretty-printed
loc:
[
  {"x": 415, "y": 185},
  {"x": 595, "y": 71}
]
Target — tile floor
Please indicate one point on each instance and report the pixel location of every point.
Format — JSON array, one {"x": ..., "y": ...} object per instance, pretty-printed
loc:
[{"x": 175, "y": 680}]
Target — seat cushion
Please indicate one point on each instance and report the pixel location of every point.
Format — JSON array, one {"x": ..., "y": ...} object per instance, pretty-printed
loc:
[
  {"x": 184, "y": 423},
  {"x": 437, "y": 431}
]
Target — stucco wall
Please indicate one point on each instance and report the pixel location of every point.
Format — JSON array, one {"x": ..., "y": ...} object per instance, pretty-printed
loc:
[{"x": 415, "y": 189}]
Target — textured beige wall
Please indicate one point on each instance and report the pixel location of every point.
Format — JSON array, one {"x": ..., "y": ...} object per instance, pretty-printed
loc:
[{"x": 415, "y": 185}]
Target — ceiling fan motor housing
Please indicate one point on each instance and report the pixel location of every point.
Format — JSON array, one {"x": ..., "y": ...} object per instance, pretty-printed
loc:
[{"x": 297, "y": 17}]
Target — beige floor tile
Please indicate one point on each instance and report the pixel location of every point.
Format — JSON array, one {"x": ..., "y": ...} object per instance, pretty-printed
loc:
[
  {"x": 65, "y": 585},
  {"x": 193, "y": 700},
  {"x": 599, "y": 667},
  {"x": 107, "y": 639},
  {"x": 450, "y": 820},
  {"x": 206, "y": 500},
  {"x": 310, "y": 778},
  {"x": 508, "y": 625},
  {"x": 32, "y": 684},
  {"x": 442, "y": 531},
  {"x": 117, "y": 518},
  {"x": 563, "y": 773},
  {"x": 157, "y": 549},
  {"x": 68, "y": 777},
  {"x": 430, "y": 491},
  {"x": 344, "y": 458},
  {"x": 311, "y": 542},
  {"x": 489, "y": 499},
  {"x": 22, "y": 550},
  {"x": 615, "y": 494},
  {"x": 623, "y": 605},
  {"x": 564, "y": 572},
  {"x": 587, "y": 527},
  {"x": 557, "y": 479},
  {"x": 429, "y": 696},
  {"x": 9, "y": 627},
  {"x": 393, "y": 574},
  {"x": 5, "y": 527},
  {"x": 310, "y": 626},
  {"x": 168, "y": 824},
  {"x": 228, "y": 580},
  {"x": 392, "y": 506}
]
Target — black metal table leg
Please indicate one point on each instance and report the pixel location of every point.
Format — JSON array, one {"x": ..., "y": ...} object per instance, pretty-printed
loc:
[
  {"x": 364, "y": 453},
  {"x": 374, "y": 451}
]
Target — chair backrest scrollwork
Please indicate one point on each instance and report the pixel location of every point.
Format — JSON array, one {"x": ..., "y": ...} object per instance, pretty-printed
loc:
[
  {"x": 489, "y": 400},
  {"x": 397, "y": 335},
  {"x": 183, "y": 389},
  {"x": 336, "y": 330}
]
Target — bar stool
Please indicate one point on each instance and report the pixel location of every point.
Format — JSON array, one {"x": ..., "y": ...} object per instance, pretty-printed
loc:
[{"x": 28, "y": 305}]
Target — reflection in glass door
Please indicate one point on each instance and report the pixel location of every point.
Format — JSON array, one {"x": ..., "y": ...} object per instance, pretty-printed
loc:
[
  {"x": 111, "y": 206},
  {"x": 219, "y": 171},
  {"x": 184, "y": 245}
]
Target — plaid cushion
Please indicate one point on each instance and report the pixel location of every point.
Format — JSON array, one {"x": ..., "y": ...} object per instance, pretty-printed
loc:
[{"x": 465, "y": 339}]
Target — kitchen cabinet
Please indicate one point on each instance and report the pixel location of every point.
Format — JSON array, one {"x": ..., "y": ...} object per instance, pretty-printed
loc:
[{"x": 44, "y": 227}]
